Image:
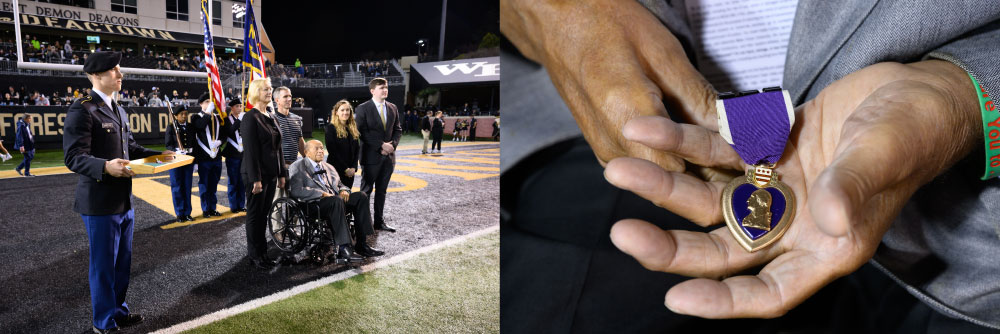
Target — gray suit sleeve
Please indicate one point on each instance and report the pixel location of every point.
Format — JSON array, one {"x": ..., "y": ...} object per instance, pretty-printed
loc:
[
  {"x": 298, "y": 183},
  {"x": 976, "y": 53}
]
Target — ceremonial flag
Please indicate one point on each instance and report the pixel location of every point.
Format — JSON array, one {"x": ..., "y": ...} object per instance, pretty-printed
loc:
[
  {"x": 253, "y": 57},
  {"x": 214, "y": 82}
]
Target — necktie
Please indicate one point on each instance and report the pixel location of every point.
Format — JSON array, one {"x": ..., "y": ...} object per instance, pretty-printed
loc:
[
  {"x": 381, "y": 113},
  {"x": 320, "y": 177}
]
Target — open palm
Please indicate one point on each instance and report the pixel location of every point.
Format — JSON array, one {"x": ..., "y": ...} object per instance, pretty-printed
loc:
[{"x": 856, "y": 154}]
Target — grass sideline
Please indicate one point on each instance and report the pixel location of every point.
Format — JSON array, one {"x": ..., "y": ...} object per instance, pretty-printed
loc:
[
  {"x": 54, "y": 157},
  {"x": 453, "y": 290}
]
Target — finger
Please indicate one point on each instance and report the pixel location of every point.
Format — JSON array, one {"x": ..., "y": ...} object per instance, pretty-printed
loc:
[
  {"x": 685, "y": 91},
  {"x": 680, "y": 193},
  {"x": 693, "y": 143},
  {"x": 868, "y": 162},
  {"x": 714, "y": 254},
  {"x": 783, "y": 284}
]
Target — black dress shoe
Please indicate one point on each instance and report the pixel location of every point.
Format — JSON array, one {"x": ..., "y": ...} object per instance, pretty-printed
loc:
[
  {"x": 22, "y": 174},
  {"x": 180, "y": 219},
  {"x": 210, "y": 214},
  {"x": 346, "y": 255},
  {"x": 129, "y": 320},
  {"x": 264, "y": 264},
  {"x": 103, "y": 331},
  {"x": 384, "y": 227},
  {"x": 368, "y": 251},
  {"x": 188, "y": 218},
  {"x": 237, "y": 210}
]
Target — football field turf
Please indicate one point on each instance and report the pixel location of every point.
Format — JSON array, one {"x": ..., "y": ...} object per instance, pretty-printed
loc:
[{"x": 451, "y": 290}]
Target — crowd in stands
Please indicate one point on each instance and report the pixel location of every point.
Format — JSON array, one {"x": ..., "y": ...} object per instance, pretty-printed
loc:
[{"x": 127, "y": 97}]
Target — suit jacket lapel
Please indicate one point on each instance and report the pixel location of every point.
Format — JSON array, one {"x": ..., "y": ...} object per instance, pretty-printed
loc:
[{"x": 819, "y": 31}]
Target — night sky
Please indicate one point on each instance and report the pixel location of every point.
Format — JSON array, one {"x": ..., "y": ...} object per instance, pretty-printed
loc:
[{"x": 338, "y": 31}]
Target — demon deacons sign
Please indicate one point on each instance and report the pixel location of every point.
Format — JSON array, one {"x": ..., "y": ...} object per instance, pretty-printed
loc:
[{"x": 459, "y": 71}]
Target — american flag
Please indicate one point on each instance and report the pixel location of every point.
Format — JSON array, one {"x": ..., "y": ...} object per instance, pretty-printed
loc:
[{"x": 214, "y": 83}]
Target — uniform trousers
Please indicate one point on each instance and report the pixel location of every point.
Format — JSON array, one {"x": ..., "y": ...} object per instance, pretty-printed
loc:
[
  {"x": 180, "y": 189},
  {"x": 237, "y": 195},
  {"x": 110, "y": 238},
  {"x": 209, "y": 173}
]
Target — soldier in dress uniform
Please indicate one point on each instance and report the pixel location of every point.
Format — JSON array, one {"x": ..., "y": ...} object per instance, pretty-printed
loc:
[
  {"x": 234, "y": 156},
  {"x": 207, "y": 154},
  {"x": 98, "y": 145},
  {"x": 181, "y": 139}
]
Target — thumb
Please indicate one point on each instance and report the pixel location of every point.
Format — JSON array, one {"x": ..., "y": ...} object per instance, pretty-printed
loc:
[{"x": 863, "y": 168}]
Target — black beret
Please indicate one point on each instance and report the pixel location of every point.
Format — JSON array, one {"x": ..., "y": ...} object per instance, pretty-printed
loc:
[
  {"x": 235, "y": 102},
  {"x": 180, "y": 109},
  {"x": 102, "y": 61},
  {"x": 203, "y": 98}
]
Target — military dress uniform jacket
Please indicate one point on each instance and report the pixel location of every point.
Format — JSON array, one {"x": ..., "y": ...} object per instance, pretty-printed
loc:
[
  {"x": 187, "y": 137},
  {"x": 202, "y": 123},
  {"x": 92, "y": 135},
  {"x": 230, "y": 130}
]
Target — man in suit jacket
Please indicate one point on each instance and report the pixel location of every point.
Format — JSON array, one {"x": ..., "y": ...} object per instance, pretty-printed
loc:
[
  {"x": 833, "y": 64},
  {"x": 314, "y": 179},
  {"x": 425, "y": 129},
  {"x": 24, "y": 141},
  {"x": 98, "y": 145},
  {"x": 209, "y": 134},
  {"x": 378, "y": 123},
  {"x": 234, "y": 156}
]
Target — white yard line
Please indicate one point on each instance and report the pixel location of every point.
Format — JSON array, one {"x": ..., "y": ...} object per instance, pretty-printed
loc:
[{"x": 250, "y": 305}]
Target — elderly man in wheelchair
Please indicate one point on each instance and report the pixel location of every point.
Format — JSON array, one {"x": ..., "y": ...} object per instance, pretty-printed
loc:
[{"x": 316, "y": 189}]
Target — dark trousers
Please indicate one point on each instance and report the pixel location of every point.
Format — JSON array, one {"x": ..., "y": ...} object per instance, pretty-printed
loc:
[
  {"x": 346, "y": 180},
  {"x": 437, "y": 141},
  {"x": 237, "y": 195},
  {"x": 377, "y": 176},
  {"x": 110, "y": 238},
  {"x": 209, "y": 173},
  {"x": 258, "y": 206},
  {"x": 180, "y": 189},
  {"x": 333, "y": 209},
  {"x": 560, "y": 273},
  {"x": 26, "y": 164}
]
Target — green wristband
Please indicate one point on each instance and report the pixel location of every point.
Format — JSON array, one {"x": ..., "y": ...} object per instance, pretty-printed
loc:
[{"x": 991, "y": 131}]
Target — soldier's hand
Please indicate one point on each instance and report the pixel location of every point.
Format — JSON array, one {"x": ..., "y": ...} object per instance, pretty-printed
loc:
[
  {"x": 116, "y": 168},
  {"x": 257, "y": 188},
  {"x": 22, "y": 149}
]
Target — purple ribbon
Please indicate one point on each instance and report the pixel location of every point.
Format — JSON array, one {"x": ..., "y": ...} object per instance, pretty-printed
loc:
[{"x": 759, "y": 126}]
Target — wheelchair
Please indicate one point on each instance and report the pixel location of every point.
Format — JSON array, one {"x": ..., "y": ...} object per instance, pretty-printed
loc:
[{"x": 294, "y": 225}]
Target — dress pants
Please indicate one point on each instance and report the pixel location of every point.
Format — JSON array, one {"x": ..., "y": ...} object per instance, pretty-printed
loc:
[
  {"x": 26, "y": 164},
  {"x": 209, "y": 173},
  {"x": 560, "y": 273},
  {"x": 377, "y": 176},
  {"x": 437, "y": 141},
  {"x": 427, "y": 138},
  {"x": 333, "y": 208},
  {"x": 258, "y": 206},
  {"x": 237, "y": 195},
  {"x": 180, "y": 189},
  {"x": 110, "y": 239}
]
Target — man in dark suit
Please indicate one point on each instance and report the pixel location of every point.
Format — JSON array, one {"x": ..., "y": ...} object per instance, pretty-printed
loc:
[
  {"x": 314, "y": 179},
  {"x": 378, "y": 122},
  {"x": 208, "y": 131},
  {"x": 25, "y": 141},
  {"x": 98, "y": 145},
  {"x": 234, "y": 156}
]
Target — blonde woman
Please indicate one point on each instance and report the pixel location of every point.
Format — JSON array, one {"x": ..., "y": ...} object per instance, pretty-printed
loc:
[
  {"x": 261, "y": 168},
  {"x": 342, "y": 141}
]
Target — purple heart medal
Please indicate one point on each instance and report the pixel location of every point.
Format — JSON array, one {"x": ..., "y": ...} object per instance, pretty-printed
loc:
[{"x": 758, "y": 208}]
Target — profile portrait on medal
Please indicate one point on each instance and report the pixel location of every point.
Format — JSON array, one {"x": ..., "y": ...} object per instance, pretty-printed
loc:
[{"x": 759, "y": 205}]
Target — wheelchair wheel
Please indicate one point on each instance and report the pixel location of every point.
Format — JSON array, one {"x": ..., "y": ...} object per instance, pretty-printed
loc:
[{"x": 287, "y": 226}]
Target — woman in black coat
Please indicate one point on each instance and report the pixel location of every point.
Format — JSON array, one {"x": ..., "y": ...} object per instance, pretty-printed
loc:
[
  {"x": 437, "y": 131},
  {"x": 261, "y": 168},
  {"x": 342, "y": 142}
]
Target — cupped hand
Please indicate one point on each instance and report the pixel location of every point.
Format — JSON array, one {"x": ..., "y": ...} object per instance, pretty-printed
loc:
[
  {"x": 856, "y": 154},
  {"x": 118, "y": 168},
  {"x": 611, "y": 61}
]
